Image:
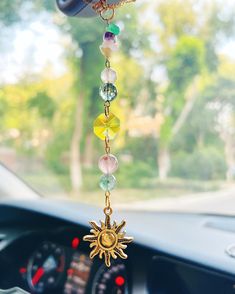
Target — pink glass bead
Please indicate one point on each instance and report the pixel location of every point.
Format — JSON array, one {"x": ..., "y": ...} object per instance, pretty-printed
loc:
[
  {"x": 108, "y": 164},
  {"x": 115, "y": 47},
  {"x": 108, "y": 75}
]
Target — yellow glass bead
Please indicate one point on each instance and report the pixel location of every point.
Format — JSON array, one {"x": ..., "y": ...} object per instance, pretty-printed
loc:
[
  {"x": 107, "y": 52},
  {"x": 106, "y": 126}
]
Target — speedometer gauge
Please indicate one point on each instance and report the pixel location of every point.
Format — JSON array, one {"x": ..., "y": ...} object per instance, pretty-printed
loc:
[
  {"x": 45, "y": 267},
  {"x": 111, "y": 280}
]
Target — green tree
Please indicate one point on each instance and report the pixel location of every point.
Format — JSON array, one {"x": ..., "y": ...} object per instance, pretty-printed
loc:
[
  {"x": 188, "y": 59},
  {"x": 189, "y": 39},
  {"x": 86, "y": 62}
]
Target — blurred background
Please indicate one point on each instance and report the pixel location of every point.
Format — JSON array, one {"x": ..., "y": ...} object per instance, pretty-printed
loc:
[{"x": 176, "y": 102}]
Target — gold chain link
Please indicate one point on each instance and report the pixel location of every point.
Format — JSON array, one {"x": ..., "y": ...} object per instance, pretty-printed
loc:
[
  {"x": 107, "y": 63},
  {"x": 102, "y": 6},
  {"x": 96, "y": 5},
  {"x": 106, "y": 108},
  {"x": 108, "y": 209},
  {"x": 107, "y": 199},
  {"x": 107, "y": 146}
]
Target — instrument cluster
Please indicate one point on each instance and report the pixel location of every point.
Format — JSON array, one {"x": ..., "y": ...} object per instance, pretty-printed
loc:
[{"x": 55, "y": 267}]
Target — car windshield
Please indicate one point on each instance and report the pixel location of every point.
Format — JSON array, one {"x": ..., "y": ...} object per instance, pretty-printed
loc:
[{"x": 176, "y": 104}]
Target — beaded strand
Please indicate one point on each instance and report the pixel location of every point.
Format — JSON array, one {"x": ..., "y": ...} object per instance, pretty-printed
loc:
[{"x": 107, "y": 125}]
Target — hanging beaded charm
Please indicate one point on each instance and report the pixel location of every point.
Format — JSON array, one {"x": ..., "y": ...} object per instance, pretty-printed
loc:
[{"x": 107, "y": 239}]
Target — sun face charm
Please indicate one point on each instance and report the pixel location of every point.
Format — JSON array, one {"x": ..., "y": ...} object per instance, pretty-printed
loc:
[{"x": 108, "y": 240}]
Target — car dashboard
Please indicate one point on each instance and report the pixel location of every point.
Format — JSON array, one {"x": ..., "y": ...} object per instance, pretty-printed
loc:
[
  {"x": 42, "y": 251},
  {"x": 55, "y": 260}
]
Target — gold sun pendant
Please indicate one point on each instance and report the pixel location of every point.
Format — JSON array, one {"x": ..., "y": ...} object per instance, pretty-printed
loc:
[{"x": 108, "y": 240}]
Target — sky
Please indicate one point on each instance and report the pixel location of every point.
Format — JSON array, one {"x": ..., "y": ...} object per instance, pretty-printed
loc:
[{"x": 32, "y": 48}]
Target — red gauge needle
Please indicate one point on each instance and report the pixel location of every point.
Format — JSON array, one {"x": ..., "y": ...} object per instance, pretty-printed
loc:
[{"x": 38, "y": 275}]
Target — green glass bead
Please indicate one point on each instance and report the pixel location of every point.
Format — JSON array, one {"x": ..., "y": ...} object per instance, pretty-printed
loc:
[
  {"x": 112, "y": 28},
  {"x": 108, "y": 92},
  {"x": 107, "y": 182}
]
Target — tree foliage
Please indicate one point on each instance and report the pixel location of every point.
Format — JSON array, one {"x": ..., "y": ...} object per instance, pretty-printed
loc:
[{"x": 183, "y": 40}]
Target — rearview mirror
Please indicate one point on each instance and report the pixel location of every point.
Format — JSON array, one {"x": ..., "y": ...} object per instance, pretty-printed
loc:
[{"x": 79, "y": 8}]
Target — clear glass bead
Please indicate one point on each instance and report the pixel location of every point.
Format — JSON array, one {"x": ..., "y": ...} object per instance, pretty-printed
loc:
[
  {"x": 108, "y": 163},
  {"x": 108, "y": 92},
  {"x": 108, "y": 75},
  {"x": 107, "y": 182}
]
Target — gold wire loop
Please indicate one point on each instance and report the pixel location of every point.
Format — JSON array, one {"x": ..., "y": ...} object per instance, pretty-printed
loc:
[
  {"x": 107, "y": 146},
  {"x": 107, "y": 18},
  {"x": 106, "y": 108},
  {"x": 102, "y": 7},
  {"x": 106, "y": 111},
  {"x": 107, "y": 103},
  {"x": 107, "y": 199},
  {"x": 108, "y": 211},
  {"x": 107, "y": 63}
]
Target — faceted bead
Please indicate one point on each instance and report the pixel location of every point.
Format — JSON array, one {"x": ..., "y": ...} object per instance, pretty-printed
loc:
[
  {"x": 115, "y": 47},
  {"x": 107, "y": 52},
  {"x": 108, "y": 164},
  {"x": 108, "y": 92},
  {"x": 108, "y": 75},
  {"x": 112, "y": 45},
  {"x": 106, "y": 126},
  {"x": 109, "y": 36},
  {"x": 112, "y": 28},
  {"x": 107, "y": 182}
]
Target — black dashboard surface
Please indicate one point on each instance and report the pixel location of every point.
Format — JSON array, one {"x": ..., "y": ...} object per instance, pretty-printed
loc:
[{"x": 172, "y": 252}]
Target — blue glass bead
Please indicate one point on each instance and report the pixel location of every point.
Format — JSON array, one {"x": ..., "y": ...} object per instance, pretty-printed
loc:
[
  {"x": 108, "y": 92},
  {"x": 107, "y": 182}
]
